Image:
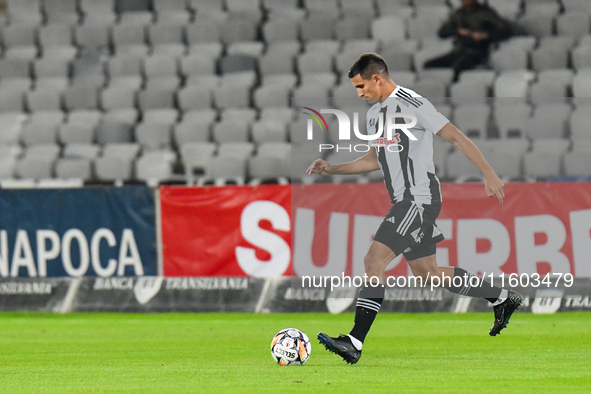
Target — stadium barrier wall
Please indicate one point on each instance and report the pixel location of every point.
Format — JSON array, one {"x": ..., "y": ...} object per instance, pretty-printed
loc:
[
  {"x": 230, "y": 248},
  {"x": 247, "y": 294}
]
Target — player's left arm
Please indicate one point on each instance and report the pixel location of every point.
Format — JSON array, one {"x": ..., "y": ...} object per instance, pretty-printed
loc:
[{"x": 492, "y": 183}]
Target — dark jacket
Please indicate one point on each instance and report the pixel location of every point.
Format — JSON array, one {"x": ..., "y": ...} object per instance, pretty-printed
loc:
[{"x": 480, "y": 18}]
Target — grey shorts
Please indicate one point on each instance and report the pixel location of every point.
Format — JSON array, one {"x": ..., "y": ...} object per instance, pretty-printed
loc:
[{"x": 409, "y": 228}]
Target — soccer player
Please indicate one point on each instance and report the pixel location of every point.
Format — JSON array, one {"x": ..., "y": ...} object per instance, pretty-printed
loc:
[{"x": 409, "y": 227}]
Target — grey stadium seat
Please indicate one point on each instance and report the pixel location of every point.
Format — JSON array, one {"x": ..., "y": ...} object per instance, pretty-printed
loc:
[
  {"x": 574, "y": 24},
  {"x": 118, "y": 97},
  {"x": 189, "y": 131},
  {"x": 195, "y": 64},
  {"x": 20, "y": 41},
  {"x": 11, "y": 125},
  {"x": 11, "y": 100},
  {"x": 81, "y": 97},
  {"x": 116, "y": 126},
  {"x": 155, "y": 166},
  {"x": 166, "y": 39},
  {"x": 98, "y": 12},
  {"x": 156, "y": 98},
  {"x": 238, "y": 29},
  {"x": 44, "y": 99},
  {"x": 193, "y": 97},
  {"x": 153, "y": 135},
  {"x": 42, "y": 127},
  {"x": 64, "y": 11},
  {"x": 92, "y": 37},
  {"x": 280, "y": 30},
  {"x": 317, "y": 26},
  {"x": 203, "y": 30},
  {"x": 196, "y": 156},
  {"x": 24, "y": 11},
  {"x": 70, "y": 167},
  {"x": 231, "y": 131}
]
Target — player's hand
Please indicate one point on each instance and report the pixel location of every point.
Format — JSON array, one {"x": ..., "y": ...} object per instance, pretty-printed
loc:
[
  {"x": 493, "y": 186},
  {"x": 321, "y": 167}
]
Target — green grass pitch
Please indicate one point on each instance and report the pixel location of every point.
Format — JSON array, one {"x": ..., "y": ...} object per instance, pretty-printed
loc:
[{"x": 229, "y": 353}]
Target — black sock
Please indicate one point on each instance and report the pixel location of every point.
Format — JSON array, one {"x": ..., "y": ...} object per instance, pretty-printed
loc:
[
  {"x": 368, "y": 305},
  {"x": 471, "y": 286}
]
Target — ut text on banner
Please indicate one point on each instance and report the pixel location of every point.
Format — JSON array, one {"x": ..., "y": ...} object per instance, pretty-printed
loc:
[{"x": 542, "y": 228}]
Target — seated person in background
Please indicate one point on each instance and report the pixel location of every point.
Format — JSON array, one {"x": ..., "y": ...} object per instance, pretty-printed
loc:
[{"x": 475, "y": 26}]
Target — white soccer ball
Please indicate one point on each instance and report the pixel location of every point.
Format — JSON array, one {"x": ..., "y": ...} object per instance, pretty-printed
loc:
[{"x": 290, "y": 346}]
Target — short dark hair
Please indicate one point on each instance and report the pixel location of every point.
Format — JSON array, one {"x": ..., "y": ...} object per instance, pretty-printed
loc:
[{"x": 369, "y": 64}]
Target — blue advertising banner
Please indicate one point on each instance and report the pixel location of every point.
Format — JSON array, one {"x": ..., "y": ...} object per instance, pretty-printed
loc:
[{"x": 101, "y": 232}]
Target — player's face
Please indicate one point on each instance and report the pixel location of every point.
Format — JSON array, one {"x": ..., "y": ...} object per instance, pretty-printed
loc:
[{"x": 368, "y": 89}]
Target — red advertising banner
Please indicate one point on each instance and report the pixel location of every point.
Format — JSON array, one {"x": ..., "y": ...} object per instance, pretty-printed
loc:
[
  {"x": 326, "y": 229},
  {"x": 226, "y": 231}
]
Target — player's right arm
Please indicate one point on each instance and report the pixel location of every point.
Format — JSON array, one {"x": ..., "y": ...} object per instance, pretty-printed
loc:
[{"x": 366, "y": 163}]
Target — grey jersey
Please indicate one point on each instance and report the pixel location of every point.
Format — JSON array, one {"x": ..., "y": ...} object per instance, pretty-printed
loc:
[{"x": 410, "y": 173}]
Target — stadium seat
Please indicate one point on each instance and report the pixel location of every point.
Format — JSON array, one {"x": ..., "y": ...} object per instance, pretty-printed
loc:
[
  {"x": 61, "y": 11},
  {"x": 117, "y": 97},
  {"x": 238, "y": 29},
  {"x": 11, "y": 125},
  {"x": 511, "y": 117},
  {"x": 230, "y": 131},
  {"x": 550, "y": 56},
  {"x": 193, "y": 97},
  {"x": 250, "y": 48},
  {"x": 270, "y": 96},
  {"x": 20, "y": 41},
  {"x": 280, "y": 30},
  {"x": 98, "y": 12},
  {"x": 269, "y": 131},
  {"x": 548, "y": 121},
  {"x": 537, "y": 25},
  {"x": 581, "y": 57},
  {"x": 513, "y": 83},
  {"x": 11, "y": 100},
  {"x": 548, "y": 92},
  {"x": 155, "y": 166},
  {"x": 169, "y": 10},
  {"x": 424, "y": 26},
  {"x": 542, "y": 164},
  {"x": 473, "y": 119},
  {"x": 458, "y": 166},
  {"x": 400, "y": 8},
  {"x": 238, "y": 63},
  {"x": 429, "y": 51},
  {"x": 153, "y": 136},
  {"x": 248, "y": 9},
  {"x": 70, "y": 167},
  {"x": 41, "y": 128},
  {"x": 387, "y": 28},
  {"x": 579, "y": 121},
  {"x": 44, "y": 100},
  {"x": 575, "y": 24},
  {"x": 196, "y": 156},
  {"x": 166, "y": 39},
  {"x": 352, "y": 28},
  {"x": 224, "y": 167},
  {"x": 116, "y": 126},
  {"x": 469, "y": 91},
  {"x": 542, "y": 7},
  {"x": 57, "y": 36},
  {"x": 27, "y": 12},
  {"x": 92, "y": 37}
]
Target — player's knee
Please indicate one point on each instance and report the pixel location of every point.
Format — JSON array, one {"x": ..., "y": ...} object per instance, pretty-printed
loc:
[
  {"x": 372, "y": 265},
  {"x": 425, "y": 273}
]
